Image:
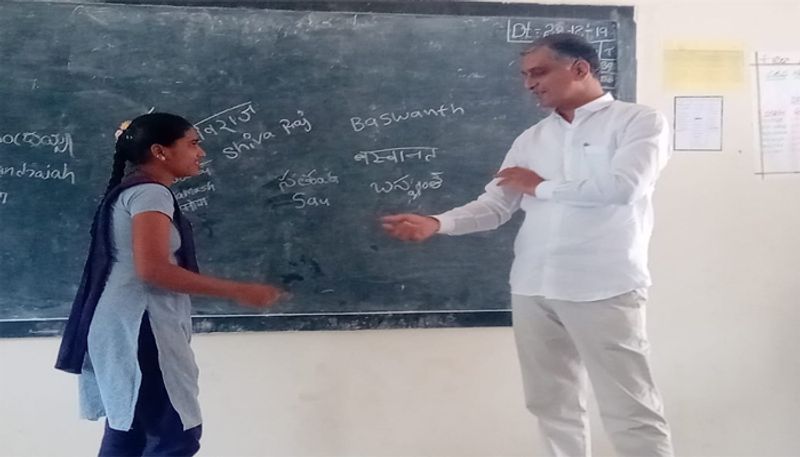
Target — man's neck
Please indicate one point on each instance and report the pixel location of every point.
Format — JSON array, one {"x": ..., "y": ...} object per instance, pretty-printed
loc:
[{"x": 568, "y": 112}]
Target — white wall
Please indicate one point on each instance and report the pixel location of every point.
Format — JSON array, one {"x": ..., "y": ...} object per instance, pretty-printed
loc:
[{"x": 722, "y": 320}]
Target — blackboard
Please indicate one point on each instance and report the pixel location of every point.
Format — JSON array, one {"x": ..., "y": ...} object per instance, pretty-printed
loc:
[{"x": 317, "y": 118}]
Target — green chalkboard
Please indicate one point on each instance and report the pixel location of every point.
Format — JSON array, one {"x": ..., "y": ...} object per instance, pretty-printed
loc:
[{"x": 317, "y": 118}]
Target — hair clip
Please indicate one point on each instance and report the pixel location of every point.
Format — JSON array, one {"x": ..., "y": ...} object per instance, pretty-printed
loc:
[{"x": 121, "y": 129}]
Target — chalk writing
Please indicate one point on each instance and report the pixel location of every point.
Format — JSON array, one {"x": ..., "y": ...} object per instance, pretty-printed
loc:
[
  {"x": 526, "y": 31},
  {"x": 247, "y": 143},
  {"x": 185, "y": 193},
  {"x": 225, "y": 120},
  {"x": 396, "y": 155},
  {"x": 412, "y": 188},
  {"x": 301, "y": 201},
  {"x": 60, "y": 142},
  {"x": 3, "y": 198},
  {"x": 608, "y": 66},
  {"x": 193, "y": 205},
  {"x": 250, "y": 141},
  {"x": 34, "y": 171},
  {"x": 289, "y": 180},
  {"x": 608, "y": 80},
  {"x": 385, "y": 119},
  {"x": 290, "y": 125}
]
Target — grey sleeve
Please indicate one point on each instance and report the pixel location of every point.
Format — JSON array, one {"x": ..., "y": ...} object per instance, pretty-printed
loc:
[{"x": 148, "y": 197}]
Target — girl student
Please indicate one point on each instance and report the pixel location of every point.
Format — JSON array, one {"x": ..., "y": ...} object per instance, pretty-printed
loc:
[{"x": 129, "y": 330}]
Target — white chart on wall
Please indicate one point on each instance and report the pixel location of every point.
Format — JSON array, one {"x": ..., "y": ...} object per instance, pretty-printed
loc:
[{"x": 778, "y": 95}]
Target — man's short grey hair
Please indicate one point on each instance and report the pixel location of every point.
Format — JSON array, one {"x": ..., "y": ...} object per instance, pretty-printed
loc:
[{"x": 569, "y": 45}]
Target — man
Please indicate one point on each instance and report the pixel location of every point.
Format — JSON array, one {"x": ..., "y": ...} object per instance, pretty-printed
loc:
[{"x": 584, "y": 177}]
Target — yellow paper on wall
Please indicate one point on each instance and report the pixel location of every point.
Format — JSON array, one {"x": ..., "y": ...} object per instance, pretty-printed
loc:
[{"x": 703, "y": 66}]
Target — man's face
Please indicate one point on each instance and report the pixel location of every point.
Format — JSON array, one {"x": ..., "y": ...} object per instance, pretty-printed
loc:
[{"x": 550, "y": 77}]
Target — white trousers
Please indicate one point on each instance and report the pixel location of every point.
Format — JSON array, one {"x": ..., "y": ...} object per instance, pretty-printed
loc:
[{"x": 561, "y": 342}]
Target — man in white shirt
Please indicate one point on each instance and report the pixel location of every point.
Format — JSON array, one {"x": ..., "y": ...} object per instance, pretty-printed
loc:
[{"x": 584, "y": 177}]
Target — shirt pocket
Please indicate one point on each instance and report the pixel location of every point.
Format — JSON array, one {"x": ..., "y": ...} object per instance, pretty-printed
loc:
[{"x": 596, "y": 159}]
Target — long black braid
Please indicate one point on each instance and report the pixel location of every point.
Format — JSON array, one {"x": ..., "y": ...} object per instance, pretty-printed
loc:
[{"x": 117, "y": 168}]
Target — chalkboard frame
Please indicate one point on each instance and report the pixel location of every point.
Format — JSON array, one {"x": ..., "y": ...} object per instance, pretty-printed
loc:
[{"x": 626, "y": 84}]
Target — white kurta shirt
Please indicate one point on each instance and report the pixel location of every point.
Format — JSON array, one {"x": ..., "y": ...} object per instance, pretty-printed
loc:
[{"x": 586, "y": 231}]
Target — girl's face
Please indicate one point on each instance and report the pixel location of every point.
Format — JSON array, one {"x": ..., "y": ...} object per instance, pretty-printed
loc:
[{"x": 183, "y": 157}]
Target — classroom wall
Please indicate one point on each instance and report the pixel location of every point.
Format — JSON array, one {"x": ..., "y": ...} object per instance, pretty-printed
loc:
[{"x": 722, "y": 320}]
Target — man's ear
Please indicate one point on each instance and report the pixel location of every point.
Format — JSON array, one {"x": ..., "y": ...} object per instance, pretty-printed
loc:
[{"x": 582, "y": 69}]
